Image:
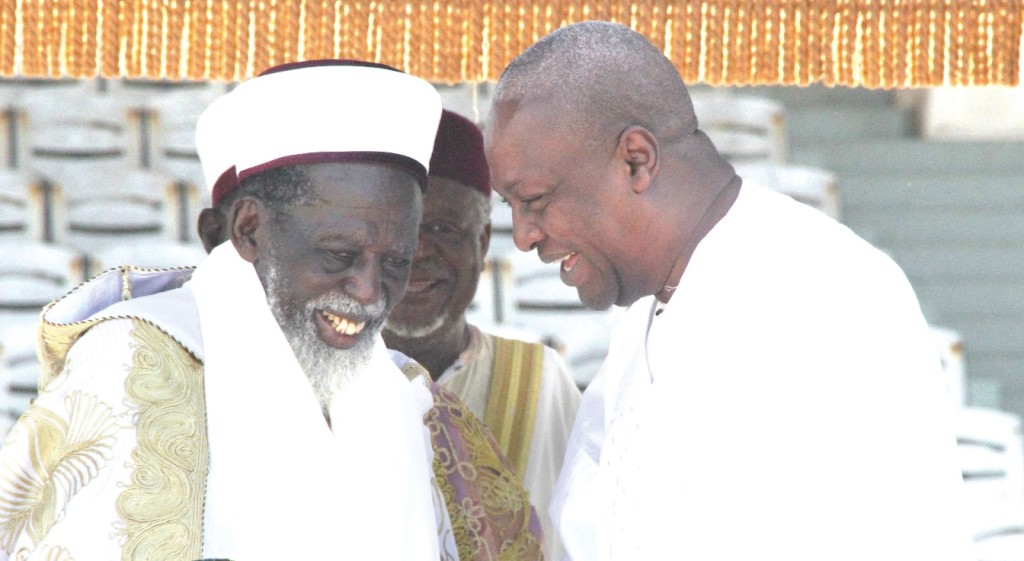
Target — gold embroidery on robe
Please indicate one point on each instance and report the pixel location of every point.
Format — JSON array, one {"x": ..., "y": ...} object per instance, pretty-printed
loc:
[
  {"x": 65, "y": 455},
  {"x": 162, "y": 508},
  {"x": 54, "y": 344},
  {"x": 56, "y": 339},
  {"x": 48, "y": 553},
  {"x": 492, "y": 524}
]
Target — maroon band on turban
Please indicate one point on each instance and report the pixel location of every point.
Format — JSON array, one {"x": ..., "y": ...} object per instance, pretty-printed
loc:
[
  {"x": 325, "y": 62},
  {"x": 299, "y": 116},
  {"x": 459, "y": 153}
]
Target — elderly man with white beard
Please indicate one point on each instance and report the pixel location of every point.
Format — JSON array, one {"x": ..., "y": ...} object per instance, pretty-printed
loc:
[{"x": 247, "y": 408}]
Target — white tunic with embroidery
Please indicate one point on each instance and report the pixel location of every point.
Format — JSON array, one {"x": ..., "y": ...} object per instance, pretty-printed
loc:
[
  {"x": 113, "y": 460},
  {"x": 786, "y": 404},
  {"x": 469, "y": 378}
]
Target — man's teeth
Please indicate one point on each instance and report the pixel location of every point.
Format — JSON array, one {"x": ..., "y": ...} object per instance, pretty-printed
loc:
[
  {"x": 565, "y": 264},
  {"x": 342, "y": 325}
]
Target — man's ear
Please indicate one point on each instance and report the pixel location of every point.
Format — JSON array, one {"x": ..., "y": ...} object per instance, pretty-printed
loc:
[
  {"x": 247, "y": 216},
  {"x": 212, "y": 228},
  {"x": 638, "y": 150}
]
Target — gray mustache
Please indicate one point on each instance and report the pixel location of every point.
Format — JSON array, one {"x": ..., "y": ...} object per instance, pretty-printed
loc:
[{"x": 342, "y": 303}]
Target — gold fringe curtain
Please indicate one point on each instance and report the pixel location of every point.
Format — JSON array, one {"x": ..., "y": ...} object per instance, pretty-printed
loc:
[{"x": 873, "y": 43}]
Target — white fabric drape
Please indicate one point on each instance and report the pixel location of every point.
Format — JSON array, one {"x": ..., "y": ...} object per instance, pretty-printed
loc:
[
  {"x": 282, "y": 485},
  {"x": 787, "y": 403}
]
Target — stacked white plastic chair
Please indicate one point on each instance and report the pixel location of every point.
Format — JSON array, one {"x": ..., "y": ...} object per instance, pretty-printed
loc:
[
  {"x": 991, "y": 452},
  {"x": 951, "y": 355},
  {"x": 148, "y": 255},
  {"x": 743, "y": 128},
  {"x": 990, "y": 448},
  {"x": 19, "y": 372},
  {"x": 750, "y": 132},
  {"x": 502, "y": 243},
  {"x": 812, "y": 186},
  {"x": 90, "y": 147},
  {"x": 24, "y": 212},
  {"x": 32, "y": 274},
  {"x": 81, "y": 124},
  {"x": 105, "y": 205},
  {"x": 491, "y": 302},
  {"x": 173, "y": 115},
  {"x": 7, "y": 415},
  {"x": 87, "y": 182}
]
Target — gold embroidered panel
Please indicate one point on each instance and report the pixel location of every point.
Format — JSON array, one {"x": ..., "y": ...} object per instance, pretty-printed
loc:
[
  {"x": 67, "y": 452},
  {"x": 492, "y": 518},
  {"x": 55, "y": 341},
  {"x": 162, "y": 508},
  {"x": 873, "y": 43}
]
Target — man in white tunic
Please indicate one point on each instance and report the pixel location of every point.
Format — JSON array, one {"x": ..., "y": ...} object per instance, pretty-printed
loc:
[
  {"x": 248, "y": 409},
  {"x": 522, "y": 390},
  {"x": 772, "y": 392}
]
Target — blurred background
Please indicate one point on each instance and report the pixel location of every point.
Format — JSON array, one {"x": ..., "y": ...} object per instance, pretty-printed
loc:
[{"x": 98, "y": 166}]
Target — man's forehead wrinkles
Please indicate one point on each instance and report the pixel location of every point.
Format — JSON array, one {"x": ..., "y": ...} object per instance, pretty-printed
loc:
[
  {"x": 324, "y": 202},
  {"x": 354, "y": 230}
]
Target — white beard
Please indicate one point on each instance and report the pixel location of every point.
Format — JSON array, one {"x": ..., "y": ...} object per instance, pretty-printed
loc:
[
  {"x": 328, "y": 369},
  {"x": 413, "y": 331}
]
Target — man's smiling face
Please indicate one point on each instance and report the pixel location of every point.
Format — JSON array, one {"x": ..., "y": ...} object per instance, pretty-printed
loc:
[
  {"x": 448, "y": 261},
  {"x": 568, "y": 201},
  {"x": 334, "y": 265}
]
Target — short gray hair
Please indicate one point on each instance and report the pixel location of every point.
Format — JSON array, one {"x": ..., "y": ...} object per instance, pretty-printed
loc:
[
  {"x": 278, "y": 188},
  {"x": 599, "y": 76}
]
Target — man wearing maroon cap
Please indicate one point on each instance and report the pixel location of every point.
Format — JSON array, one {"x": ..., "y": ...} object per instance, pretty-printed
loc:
[
  {"x": 248, "y": 408},
  {"x": 532, "y": 424}
]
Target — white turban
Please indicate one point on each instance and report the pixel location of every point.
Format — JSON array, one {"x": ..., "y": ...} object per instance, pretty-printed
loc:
[{"x": 315, "y": 112}]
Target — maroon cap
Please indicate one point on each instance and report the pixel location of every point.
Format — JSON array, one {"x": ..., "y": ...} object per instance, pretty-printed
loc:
[{"x": 459, "y": 153}]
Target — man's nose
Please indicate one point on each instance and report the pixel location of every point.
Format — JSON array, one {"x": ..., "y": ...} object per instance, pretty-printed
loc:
[
  {"x": 364, "y": 282},
  {"x": 424, "y": 247},
  {"x": 525, "y": 233}
]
